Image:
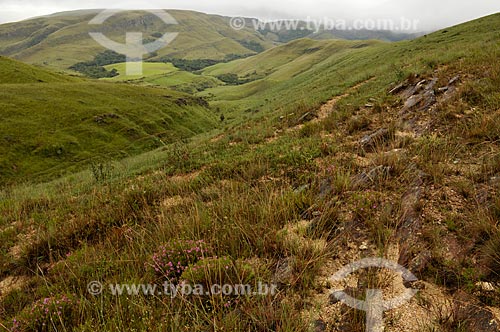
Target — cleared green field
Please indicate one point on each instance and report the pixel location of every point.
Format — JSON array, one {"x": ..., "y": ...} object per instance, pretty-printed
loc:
[
  {"x": 148, "y": 69},
  {"x": 165, "y": 75}
]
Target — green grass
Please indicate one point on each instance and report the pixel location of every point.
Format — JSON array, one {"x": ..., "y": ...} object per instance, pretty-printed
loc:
[
  {"x": 15, "y": 72},
  {"x": 164, "y": 75},
  {"x": 308, "y": 72},
  {"x": 50, "y": 129},
  {"x": 61, "y": 40},
  {"x": 242, "y": 192},
  {"x": 148, "y": 69}
]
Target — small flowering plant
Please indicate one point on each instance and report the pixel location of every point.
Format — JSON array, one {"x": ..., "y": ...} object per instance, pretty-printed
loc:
[
  {"x": 171, "y": 259},
  {"x": 365, "y": 205},
  {"x": 218, "y": 270},
  {"x": 48, "y": 314}
]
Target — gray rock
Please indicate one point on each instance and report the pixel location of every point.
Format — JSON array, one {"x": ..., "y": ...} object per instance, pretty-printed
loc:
[
  {"x": 473, "y": 315},
  {"x": 420, "y": 97},
  {"x": 454, "y": 80},
  {"x": 378, "y": 137},
  {"x": 283, "y": 272},
  {"x": 307, "y": 117},
  {"x": 398, "y": 88},
  {"x": 375, "y": 175},
  {"x": 319, "y": 326},
  {"x": 332, "y": 298}
]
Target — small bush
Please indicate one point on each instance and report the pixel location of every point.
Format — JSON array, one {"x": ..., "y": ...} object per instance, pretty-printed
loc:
[
  {"x": 49, "y": 314},
  {"x": 171, "y": 259},
  {"x": 309, "y": 130},
  {"x": 357, "y": 123},
  {"x": 101, "y": 171},
  {"x": 220, "y": 271}
]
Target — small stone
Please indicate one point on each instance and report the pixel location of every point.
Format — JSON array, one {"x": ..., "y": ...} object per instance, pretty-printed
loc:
[
  {"x": 363, "y": 246},
  {"x": 486, "y": 286},
  {"x": 332, "y": 299},
  {"x": 378, "y": 137},
  {"x": 319, "y": 326},
  {"x": 414, "y": 284},
  {"x": 454, "y": 79}
]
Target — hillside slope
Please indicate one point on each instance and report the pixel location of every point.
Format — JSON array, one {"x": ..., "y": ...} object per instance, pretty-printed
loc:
[
  {"x": 288, "y": 76},
  {"x": 390, "y": 151},
  {"x": 61, "y": 40},
  {"x": 52, "y": 128},
  {"x": 12, "y": 71}
]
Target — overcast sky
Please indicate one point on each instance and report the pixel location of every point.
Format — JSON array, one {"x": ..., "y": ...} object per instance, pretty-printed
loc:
[{"x": 431, "y": 13}]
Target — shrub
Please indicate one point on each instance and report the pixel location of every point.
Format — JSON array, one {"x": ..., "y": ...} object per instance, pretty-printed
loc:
[
  {"x": 48, "y": 314},
  {"x": 214, "y": 270},
  {"x": 171, "y": 259}
]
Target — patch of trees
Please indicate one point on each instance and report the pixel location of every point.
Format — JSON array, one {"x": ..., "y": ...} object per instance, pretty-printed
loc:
[
  {"x": 233, "y": 79},
  {"x": 193, "y": 65},
  {"x": 95, "y": 68},
  {"x": 252, "y": 45}
]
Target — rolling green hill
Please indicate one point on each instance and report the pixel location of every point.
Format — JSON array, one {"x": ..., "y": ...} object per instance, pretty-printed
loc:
[
  {"x": 53, "y": 128},
  {"x": 334, "y": 151},
  {"x": 165, "y": 75},
  {"x": 12, "y": 71},
  {"x": 61, "y": 40},
  {"x": 309, "y": 72}
]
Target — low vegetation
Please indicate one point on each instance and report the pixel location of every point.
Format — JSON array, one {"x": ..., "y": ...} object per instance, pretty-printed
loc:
[
  {"x": 95, "y": 68},
  {"x": 383, "y": 151}
]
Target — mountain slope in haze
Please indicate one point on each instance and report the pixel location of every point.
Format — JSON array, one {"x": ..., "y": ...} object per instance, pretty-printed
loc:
[
  {"x": 311, "y": 72},
  {"x": 389, "y": 150},
  {"x": 278, "y": 31},
  {"x": 61, "y": 40},
  {"x": 48, "y": 129}
]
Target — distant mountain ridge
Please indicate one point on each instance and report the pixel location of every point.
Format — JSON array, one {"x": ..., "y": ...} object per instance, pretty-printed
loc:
[{"x": 61, "y": 40}]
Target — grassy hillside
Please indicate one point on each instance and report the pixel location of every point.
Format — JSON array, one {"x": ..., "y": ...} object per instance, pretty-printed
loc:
[
  {"x": 390, "y": 150},
  {"x": 308, "y": 72},
  {"x": 58, "y": 127},
  {"x": 165, "y": 75},
  {"x": 148, "y": 69},
  {"x": 12, "y": 71},
  {"x": 62, "y": 40}
]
